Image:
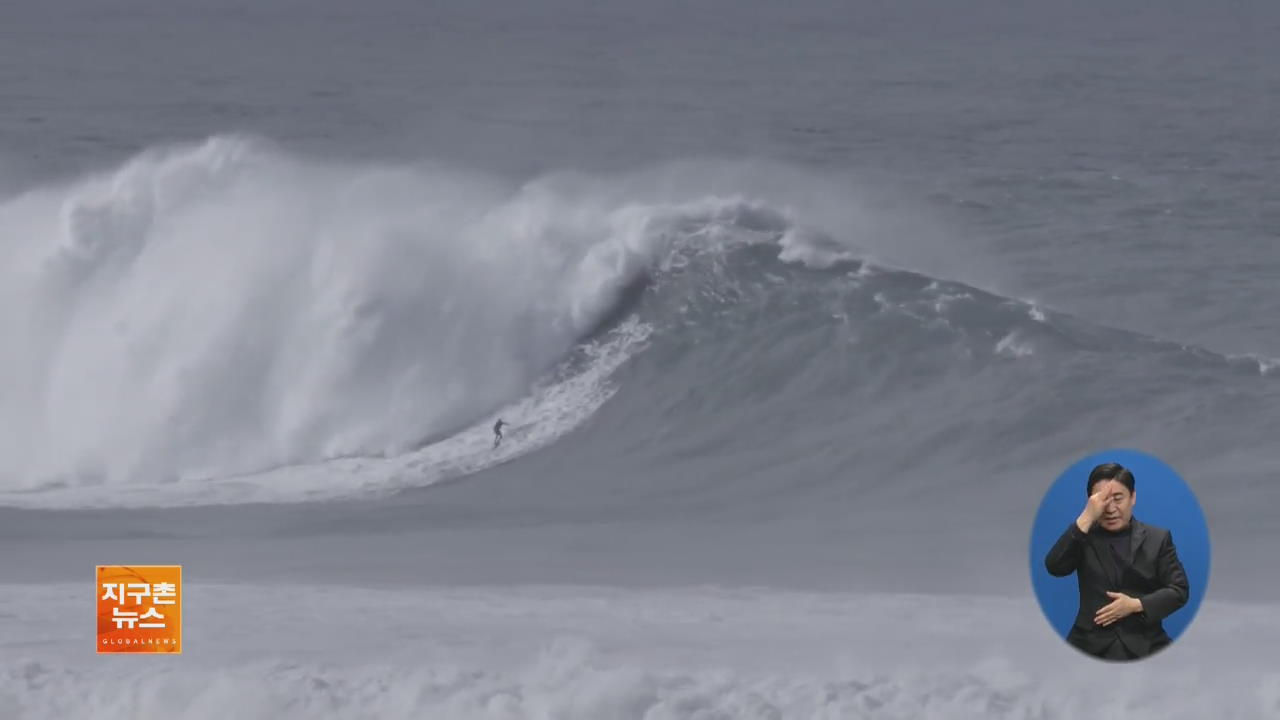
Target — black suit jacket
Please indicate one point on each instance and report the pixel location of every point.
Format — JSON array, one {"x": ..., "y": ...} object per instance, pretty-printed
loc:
[{"x": 1154, "y": 576}]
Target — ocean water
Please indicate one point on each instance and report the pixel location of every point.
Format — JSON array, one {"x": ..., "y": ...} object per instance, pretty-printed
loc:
[{"x": 795, "y": 313}]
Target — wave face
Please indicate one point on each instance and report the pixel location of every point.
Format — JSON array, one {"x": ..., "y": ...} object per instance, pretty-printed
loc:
[{"x": 224, "y": 322}]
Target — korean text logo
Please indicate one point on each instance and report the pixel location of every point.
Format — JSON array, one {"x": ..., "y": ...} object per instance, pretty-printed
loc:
[{"x": 139, "y": 609}]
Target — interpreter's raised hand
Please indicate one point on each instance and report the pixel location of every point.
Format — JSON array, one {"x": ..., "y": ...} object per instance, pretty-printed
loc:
[{"x": 1095, "y": 506}]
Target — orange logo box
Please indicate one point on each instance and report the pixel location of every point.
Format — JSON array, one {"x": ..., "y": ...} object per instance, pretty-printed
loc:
[{"x": 139, "y": 609}]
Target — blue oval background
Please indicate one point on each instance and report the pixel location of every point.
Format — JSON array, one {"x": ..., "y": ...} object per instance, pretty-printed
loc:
[{"x": 1164, "y": 500}]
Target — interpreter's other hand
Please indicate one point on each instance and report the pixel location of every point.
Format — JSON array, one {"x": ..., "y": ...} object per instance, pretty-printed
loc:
[{"x": 1120, "y": 607}]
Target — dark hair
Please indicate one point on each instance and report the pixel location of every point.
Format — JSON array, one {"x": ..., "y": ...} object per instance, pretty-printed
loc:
[{"x": 1110, "y": 471}]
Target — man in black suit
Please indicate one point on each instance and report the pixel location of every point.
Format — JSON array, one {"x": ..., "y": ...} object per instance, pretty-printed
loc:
[{"x": 1129, "y": 573}]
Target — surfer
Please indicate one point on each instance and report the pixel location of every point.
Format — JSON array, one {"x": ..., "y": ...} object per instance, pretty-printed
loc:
[{"x": 497, "y": 431}]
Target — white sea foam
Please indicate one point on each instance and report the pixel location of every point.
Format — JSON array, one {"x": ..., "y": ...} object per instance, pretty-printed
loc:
[
  {"x": 592, "y": 653},
  {"x": 1014, "y": 346}
]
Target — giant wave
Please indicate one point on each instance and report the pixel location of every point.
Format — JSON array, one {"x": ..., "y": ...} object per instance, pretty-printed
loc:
[{"x": 225, "y": 322}]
